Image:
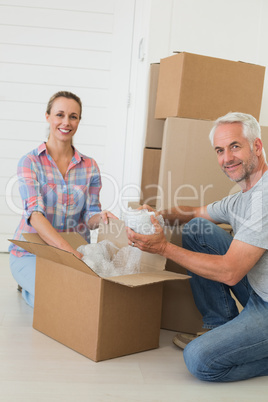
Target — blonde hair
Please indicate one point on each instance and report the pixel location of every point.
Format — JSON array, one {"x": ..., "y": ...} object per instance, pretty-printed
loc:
[{"x": 64, "y": 94}]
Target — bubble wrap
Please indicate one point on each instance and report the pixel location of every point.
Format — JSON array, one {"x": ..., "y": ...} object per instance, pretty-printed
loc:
[
  {"x": 106, "y": 259},
  {"x": 139, "y": 220}
]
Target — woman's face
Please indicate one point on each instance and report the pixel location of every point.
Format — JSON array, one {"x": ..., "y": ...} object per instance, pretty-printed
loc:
[{"x": 63, "y": 119}]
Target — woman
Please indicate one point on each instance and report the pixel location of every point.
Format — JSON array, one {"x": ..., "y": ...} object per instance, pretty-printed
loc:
[{"x": 59, "y": 189}]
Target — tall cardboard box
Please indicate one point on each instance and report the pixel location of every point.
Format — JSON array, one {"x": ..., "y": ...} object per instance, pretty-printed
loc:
[
  {"x": 201, "y": 87},
  {"x": 264, "y": 138},
  {"x": 154, "y": 127},
  {"x": 99, "y": 318},
  {"x": 150, "y": 176},
  {"x": 189, "y": 175},
  {"x": 189, "y": 171},
  {"x": 179, "y": 312}
]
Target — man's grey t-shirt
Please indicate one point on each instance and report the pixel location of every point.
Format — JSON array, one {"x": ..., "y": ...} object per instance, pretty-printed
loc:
[{"x": 247, "y": 213}]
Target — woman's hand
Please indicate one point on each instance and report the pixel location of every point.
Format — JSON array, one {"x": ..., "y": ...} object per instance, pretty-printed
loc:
[
  {"x": 105, "y": 215},
  {"x": 47, "y": 232},
  {"x": 94, "y": 221},
  {"x": 77, "y": 254}
]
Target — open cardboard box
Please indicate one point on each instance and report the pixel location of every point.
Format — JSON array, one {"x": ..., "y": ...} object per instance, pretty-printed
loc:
[{"x": 99, "y": 318}]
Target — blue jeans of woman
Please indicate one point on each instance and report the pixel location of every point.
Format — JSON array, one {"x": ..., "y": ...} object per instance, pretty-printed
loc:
[
  {"x": 236, "y": 348},
  {"x": 23, "y": 271}
]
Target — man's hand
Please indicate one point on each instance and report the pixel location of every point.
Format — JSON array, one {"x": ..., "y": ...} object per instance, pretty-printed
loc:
[
  {"x": 154, "y": 244},
  {"x": 150, "y": 209}
]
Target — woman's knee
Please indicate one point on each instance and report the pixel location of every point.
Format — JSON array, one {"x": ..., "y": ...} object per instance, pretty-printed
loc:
[{"x": 23, "y": 271}]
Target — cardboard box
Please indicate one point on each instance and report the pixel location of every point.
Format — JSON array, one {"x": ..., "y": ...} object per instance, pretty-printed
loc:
[
  {"x": 189, "y": 175},
  {"x": 179, "y": 312},
  {"x": 264, "y": 138},
  {"x": 150, "y": 176},
  {"x": 201, "y": 87},
  {"x": 99, "y": 318},
  {"x": 189, "y": 171},
  {"x": 154, "y": 128}
]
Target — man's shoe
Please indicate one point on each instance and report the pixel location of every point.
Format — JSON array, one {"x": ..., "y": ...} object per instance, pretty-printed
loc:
[{"x": 182, "y": 339}]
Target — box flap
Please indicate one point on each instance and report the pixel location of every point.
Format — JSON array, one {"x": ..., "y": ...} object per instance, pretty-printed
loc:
[
  {"x": 146, "y": 278},
  {"x": 115, "y": 231},
  {"x": 152, "y": 265},
  {"x": 73, "y": 238},
  {"x": 42, "y": 250}
]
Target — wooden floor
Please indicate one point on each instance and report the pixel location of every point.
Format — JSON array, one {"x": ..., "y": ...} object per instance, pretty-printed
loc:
[{"x": 36, "y": 368}]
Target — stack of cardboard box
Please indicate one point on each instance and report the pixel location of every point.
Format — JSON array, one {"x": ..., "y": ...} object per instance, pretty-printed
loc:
[{"x": 187, "y": 93}]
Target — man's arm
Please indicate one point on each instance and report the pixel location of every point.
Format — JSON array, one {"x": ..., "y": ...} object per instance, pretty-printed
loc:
[{"x": 229, "y": 268}]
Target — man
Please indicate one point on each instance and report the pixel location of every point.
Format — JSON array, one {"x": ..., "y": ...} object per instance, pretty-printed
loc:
[{"x": 235, "y": 346}]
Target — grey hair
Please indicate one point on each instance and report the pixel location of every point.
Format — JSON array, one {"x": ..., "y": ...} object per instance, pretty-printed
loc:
[{"x": 250, "y": 127}]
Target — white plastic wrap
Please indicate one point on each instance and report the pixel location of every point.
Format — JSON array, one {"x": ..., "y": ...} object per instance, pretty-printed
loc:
[
  {"x": 139, "y": 220},
  {"x": 106, "y": 259}
]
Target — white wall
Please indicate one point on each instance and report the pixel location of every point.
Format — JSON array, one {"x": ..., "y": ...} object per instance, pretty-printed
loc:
[{"x": 45, "y": 46}]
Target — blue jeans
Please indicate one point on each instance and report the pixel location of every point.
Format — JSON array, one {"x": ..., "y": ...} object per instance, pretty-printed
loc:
[
  {"x": 237, "y": 346},
  {"x": 23, "y": 271}
]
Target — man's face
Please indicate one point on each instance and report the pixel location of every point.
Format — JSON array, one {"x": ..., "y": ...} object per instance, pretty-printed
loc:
[{"x": 235, "y": 156}]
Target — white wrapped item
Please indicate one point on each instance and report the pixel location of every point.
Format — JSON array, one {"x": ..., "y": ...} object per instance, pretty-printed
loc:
[
  {"x": 106, "y": 259},
  {"x": 139, "y": 220}
]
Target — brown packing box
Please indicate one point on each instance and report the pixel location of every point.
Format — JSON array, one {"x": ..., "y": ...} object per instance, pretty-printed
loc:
[
  {"x": 99, "y": 318},
  {"x": 201, "y": 87},
  {"x": 189, "y": 175},
  {"x": 150, "y": 176},
  {"x": 264, "y": 137},
  {"x": 179, "y": 312},
  {"x": 154, "y": 129},
  {"x": 189, "y": 171},
  {"x": 194, "y": 163}
]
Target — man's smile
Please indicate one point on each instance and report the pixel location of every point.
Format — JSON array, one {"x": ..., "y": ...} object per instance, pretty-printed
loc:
[{"x": 233, "y": 166}]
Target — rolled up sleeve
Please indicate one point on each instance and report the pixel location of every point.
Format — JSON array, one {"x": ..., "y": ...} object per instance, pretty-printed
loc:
[
  {"x": 29, "y": 189},
  {"x": 93, "y": 205}
]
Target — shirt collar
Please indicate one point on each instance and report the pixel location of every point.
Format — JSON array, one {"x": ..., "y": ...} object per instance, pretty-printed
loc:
[
  {"x": 41, "y": 148},
  {"x": 77, "y": 156}
]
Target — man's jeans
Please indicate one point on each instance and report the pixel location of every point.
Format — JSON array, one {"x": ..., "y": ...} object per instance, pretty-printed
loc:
[{"x": 237, "y": 347}]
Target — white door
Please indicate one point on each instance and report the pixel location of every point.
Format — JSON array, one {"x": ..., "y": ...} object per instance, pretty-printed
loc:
[{"x": 83, "y": 46}]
